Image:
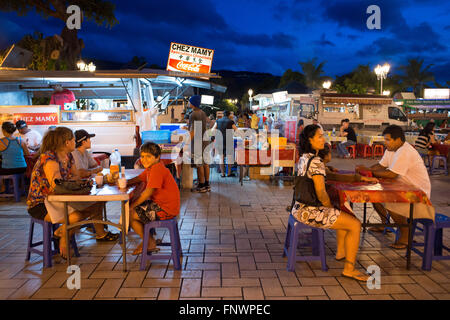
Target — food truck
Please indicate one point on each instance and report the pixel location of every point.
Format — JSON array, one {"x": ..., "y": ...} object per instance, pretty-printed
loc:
[
  {"x": 115, "y": 105},
  {"x": 365, "y": 112}
]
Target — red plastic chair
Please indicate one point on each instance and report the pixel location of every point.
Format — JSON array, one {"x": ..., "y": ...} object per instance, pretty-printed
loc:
[
  {"x": 364, "y": 150},
  {"x": 352, "y": 151},
  {"x": 378, "y": 150}
]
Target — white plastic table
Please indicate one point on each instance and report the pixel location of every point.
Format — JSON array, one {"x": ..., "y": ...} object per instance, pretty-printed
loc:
[{"x": 105, "y": 193}]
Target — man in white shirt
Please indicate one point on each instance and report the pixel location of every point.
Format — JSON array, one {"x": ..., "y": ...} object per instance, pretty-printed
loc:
[
  {"x": 32, "y": 138},
  {"x": 84, "y": 162},
  {"x": 401, "y": 161}
]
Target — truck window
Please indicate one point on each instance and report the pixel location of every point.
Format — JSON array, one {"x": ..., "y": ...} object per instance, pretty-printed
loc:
[{"x": 396, "y": 114}]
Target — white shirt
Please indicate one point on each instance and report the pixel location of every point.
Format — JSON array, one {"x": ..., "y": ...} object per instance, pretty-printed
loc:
[
  {"x": 32, "y": 138},
  {"x": 407, "y": 163}
]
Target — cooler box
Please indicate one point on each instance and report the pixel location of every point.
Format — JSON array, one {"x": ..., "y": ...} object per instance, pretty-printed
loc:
[{"x": 156, "y": 136}]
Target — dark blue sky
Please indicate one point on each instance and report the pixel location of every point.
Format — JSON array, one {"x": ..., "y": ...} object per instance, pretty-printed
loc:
[{"x": 264, "y": 36}]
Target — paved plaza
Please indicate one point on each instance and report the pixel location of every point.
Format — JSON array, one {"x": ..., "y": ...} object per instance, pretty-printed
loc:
[{"x": 232, "y": 241}]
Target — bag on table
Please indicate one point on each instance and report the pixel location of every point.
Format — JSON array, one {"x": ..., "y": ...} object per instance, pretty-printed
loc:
[{"x": 80, "y": 187}]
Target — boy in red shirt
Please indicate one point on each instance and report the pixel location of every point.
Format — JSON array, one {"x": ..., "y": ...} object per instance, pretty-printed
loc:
[{"x": 160, "y": 200}]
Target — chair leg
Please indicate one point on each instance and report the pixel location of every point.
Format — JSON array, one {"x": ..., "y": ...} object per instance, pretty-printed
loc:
[
  {"x": 428, "y": 248},
  {"x": 16, "y": 186},
  {"x": 321, "y": 244},
  {"x": 47, "y": 245},
  {"x": 315, "y": 243},
  {"x": 438, "y": 243},
  {"x": 286, "y": 242},
  {"x": 292, "y": 248},
  {"x": 145, "y": 246},
  {"x": 175, "y": 249},
  {"x": 30, "y": 240}
]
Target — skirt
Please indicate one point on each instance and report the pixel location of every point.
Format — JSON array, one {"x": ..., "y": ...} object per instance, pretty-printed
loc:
[
  {"x": 55, "y": 209},
  {"x": 317, "y": 217}
]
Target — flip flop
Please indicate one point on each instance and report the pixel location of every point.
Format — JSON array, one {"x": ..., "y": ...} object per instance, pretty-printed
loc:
[
  {"x": 359, "y": 277},
  {"x": 340, "y": 259},
  {"x": 398, "y": 246},
  {"x": 138, "y": 252}
]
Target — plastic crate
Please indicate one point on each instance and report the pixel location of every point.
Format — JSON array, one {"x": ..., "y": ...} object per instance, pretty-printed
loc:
[
  {"x": 156, "y": 136},
  {"x": 171, "y": 126}
]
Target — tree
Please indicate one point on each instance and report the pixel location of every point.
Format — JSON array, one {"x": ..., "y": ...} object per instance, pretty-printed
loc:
[
  {"x": 137, "y": 63},
  {"x": 101, "y": 12},
  {"x": 313, "y": 73},
  {"x": 415, "y": 75},
  {"x": 290, "y": 76}
]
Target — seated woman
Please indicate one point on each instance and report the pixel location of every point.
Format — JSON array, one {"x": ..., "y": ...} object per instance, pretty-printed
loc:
[
  {"x": 325, "y": 216},
  {"x": 13, "y": 151},
  {"x": 56, "y": 162},
  {"x": 425, "y": 140}
]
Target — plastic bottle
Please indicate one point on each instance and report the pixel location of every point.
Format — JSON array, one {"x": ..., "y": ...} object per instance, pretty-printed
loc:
[
  {"x": 334, "y": 132},
  {"x": 115, "y": 159}
]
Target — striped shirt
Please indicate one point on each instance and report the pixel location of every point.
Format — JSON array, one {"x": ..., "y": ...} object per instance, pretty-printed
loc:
[{"x": 422, "y": 141}]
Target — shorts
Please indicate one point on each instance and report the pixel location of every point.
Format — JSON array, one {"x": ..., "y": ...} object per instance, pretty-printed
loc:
[
  {"x": 148, "y": 211},
  {"x": 317, "y": 217},
  {"x": 38, "y": 212}
]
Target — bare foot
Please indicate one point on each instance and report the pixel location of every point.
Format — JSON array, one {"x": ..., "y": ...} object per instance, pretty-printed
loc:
[
  {"x": 356, "y": 275},
  {"x": 138, "y": 250},
  {"x": 63, "y": 247}
]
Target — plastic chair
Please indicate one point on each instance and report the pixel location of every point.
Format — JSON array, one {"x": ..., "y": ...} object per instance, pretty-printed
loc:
[
  {"x": 439, "y": 169},
  {"x": 433, "y": 244},
  {"x": 352, "y": 151},
  {"x": 291, "y": 242},
  {"x": 47, "y": 252},
  {"x": 378, "y": 150},
  {"x": 364, "y": 150},
  {"x": 175, "y": 243},
  {"x": 16, "y": 179}
]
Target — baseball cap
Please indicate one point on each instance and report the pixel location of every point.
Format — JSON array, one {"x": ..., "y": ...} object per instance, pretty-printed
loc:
[
  {"x": 21, "y": 124},
  {"x": 195, "y": 101},
  {"x": 81, "y": 135}
]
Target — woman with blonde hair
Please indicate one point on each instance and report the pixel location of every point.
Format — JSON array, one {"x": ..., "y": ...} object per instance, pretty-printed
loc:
[{"x": 56, "y": 162}]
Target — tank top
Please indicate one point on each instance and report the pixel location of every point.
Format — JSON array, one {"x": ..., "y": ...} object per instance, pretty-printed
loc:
[{"x": 12, "y": 156}]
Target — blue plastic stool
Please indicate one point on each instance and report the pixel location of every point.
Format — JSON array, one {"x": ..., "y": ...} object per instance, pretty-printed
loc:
[
  {"x": 433, "y": 245},
  {"x": 16, "y": 179},
  {"x": 48, "y": 238},
  {"x": 290, "y": 245},
  {"x": 439, "y": 169},
  {"x": 175, "y": 243}
]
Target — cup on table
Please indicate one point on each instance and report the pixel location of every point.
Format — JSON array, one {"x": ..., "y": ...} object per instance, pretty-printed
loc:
[
  {"x": 99, "y": 181},
  {"x": 122, "y": 183}
]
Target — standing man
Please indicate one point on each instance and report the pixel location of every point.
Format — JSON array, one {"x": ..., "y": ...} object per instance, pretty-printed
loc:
[
  {"x": 254, "y": 120},
  {"x": 84, "y": 162},
  {"x": 346, "y": 131},
  {"x": 32, "y": 138},
  {"x": 401, "y": 161},
  {"x": 61, "y": 96},
  {"x": 223, "y": 125},
  {"x": 197, "y": 128}
]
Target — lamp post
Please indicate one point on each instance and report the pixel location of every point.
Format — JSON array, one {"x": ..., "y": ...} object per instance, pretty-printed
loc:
[
  {"x": 250, "y": 93},
  {"x": 381, "y": 72},
  {"x": 326, "y": 85}
]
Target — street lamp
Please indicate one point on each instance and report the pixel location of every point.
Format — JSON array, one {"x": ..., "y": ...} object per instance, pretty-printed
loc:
[
  {"x": 326, "y": 85},
  {"x": 82, "y": 66},
  {"x": 250, "y": 93},
  {"x": 381, "y": 72}
]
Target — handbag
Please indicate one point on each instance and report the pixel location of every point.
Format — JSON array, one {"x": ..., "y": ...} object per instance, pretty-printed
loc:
[
  {"x": 80, "y": 187},
  {"x": 304, "y": 190}
]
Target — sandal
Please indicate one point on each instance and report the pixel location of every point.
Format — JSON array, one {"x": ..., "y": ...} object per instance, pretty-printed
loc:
[
  {"x": 138, "y": 251},
  {"x": 108, "y": 237},
  {"x": 398, "y": 246},
  {"x": 355, "y": 276}
]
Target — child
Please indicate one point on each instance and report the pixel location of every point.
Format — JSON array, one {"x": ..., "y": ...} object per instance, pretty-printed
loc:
[{"x": 160, "y": 200}]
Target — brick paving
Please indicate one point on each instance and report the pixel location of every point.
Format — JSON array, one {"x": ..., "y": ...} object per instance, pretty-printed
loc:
[{"x": 232, "y": 241}]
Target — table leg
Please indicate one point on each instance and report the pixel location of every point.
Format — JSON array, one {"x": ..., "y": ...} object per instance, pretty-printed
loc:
[
  {"x": 365, "y": 216},
  {"x": 66, "y": 221},
  {"x": 241, "y": 172},
  {"x": 124, "y": 245},
  {"x": 410, "y": 224}
]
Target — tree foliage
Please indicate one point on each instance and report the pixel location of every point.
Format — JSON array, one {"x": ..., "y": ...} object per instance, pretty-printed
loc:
[
  {"x": 313, "y": 73},
  {"x": 415, "y": 75},
  {"x": 290, "y": 76}
]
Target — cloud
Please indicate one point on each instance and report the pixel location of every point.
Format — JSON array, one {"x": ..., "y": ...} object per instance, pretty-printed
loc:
[{"x": 324, "y": 42}]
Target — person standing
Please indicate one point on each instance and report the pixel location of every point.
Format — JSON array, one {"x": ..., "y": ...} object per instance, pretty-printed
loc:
[
  {"x": 254, "y": 120},
  {"x": 84, "y": 162},
  {"x": 32, "y": 138},
  {"x": 223, "y": 125},
  {"x": 346, "y": 131},
  {"x": 61, "y": 96},
  {"x": 197, "y": 128}
]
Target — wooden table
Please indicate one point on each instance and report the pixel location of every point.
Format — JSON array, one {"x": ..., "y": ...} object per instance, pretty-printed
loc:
[
  {"x": 105, "y": 193},
  {"x": 384, "y": 191}
]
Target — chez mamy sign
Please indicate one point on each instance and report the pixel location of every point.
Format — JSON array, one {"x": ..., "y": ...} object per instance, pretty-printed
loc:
[
  {"x": 42, "y": 118},
  {"x": 188, "y": 58}
]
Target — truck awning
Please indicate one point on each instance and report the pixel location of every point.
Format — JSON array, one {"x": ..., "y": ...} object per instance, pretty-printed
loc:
[{"x": 355, "y": 99}]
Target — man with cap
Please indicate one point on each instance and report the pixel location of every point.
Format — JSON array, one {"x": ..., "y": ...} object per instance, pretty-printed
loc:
[
  {"x": 197, "y": 128},
  {"x": 84, "y": 162},
  {"x": 32, "y": 138}
]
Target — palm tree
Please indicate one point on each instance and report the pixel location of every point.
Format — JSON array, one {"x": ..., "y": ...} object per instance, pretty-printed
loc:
[
  {"x": 313, "y": 73},
  {"x": 416, "y": 75}
]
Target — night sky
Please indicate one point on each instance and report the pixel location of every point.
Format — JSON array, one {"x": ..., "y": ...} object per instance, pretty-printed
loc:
[{"x": 264, "y": 36}]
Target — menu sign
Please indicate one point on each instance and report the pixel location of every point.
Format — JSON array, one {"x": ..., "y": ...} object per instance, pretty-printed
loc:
[{"x": 188, "y": 58}]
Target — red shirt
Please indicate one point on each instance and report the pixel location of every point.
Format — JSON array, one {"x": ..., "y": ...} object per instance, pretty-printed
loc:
[
  {"x": 166, "y": 193},
  {"x": 59, "y": 98}
]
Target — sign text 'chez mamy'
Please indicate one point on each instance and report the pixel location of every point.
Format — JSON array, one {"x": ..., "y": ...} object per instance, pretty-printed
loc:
[
  {"x": 43, "y": 118},
  {"x": 188, "y": 58}
]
